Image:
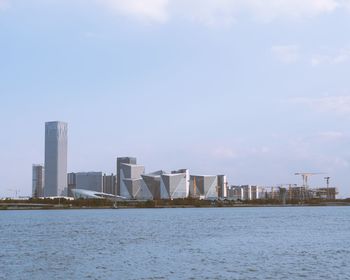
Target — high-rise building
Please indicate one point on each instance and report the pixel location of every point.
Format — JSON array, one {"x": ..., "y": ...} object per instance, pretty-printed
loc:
[
  {"x": 55, "y": 159},
  {"x": 120, "y": 161},
  {"x": 222, "y": 186},
  {"x": 109, "y": 183},
  {"x": 38, "y": 180}
]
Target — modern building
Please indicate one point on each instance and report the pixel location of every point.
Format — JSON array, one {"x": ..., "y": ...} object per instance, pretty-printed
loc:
[
  {"x": 55, "y": 159},
  {"x": 120, "y": 161},
  {"x": 204, "y": 186},
  {"x": 175, "y": 184},
  {"x": 71, "y": 182},
  {"x": 152, "y": 183},
  {"x": 86, "y": 194},
  {"x": 235, "y": 193},
  {"x": 37, "y": 180},
  {"x": 109, "y": 184},
  {"x": 131, "y": 183},
  {"x": 92, "y": 181},
  {"x": 222, "y": 186}
]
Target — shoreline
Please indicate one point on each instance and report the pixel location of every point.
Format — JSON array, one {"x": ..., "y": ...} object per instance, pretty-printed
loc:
[{"x": 28, "y": 206}]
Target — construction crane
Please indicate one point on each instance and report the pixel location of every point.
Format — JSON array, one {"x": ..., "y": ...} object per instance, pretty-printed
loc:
[
  {"x": 304, "y": 188},
  {"x": 15, "y": 191},
  {"x": 305, "y": 176},
  {"x": 327, "y": 181}
]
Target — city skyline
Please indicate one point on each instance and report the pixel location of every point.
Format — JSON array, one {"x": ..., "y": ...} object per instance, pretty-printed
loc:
[{"x": 254, "y": 92}]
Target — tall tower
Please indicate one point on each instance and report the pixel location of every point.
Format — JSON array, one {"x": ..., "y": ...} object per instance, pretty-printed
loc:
[
  {"x": 38, "y": 180},
  {"x": 55, "y": 159}
]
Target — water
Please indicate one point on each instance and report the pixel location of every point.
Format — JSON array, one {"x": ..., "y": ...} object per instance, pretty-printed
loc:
[{"x": 218, "y": 243}]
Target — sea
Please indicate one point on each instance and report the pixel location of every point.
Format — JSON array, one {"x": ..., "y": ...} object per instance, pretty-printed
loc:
[{"x": 182, "y": 243}]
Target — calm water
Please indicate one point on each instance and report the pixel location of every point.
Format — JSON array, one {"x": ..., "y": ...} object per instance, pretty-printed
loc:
[{"x": 230, "y": 243}]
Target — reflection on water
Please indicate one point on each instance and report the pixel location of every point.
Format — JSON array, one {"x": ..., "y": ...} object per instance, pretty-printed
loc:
[{"x": 220, "y": 243}]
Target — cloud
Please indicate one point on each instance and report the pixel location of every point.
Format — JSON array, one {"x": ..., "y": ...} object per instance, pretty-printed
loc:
[
  {"x": 334, "y": 104},
  {"x": 220, "y": 12},
  {"x": 272, "y": 9},
  {"x": 286, "y": 53},
  {"x": 144, "y": 10},
  {"x": 338, "y": 56},
  {"x": 331, "y": 135},
  {"x": 207, "y": 12},
  {"x": 224, "y": 153}
]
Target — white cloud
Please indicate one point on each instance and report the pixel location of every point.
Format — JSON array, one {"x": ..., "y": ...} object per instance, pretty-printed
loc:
[
  {"x": 286, "y": 53},
  {"x": 331, "y": 135},
  {"x": 224, "y": 153},
  {"x": 221, "y": 12},
  {"x": 337, "y": 57},
  {"x": 225, "y": 12},
  {"x": 207, "y": 12},
  {"x": 334, "y": 104},
  {"x": 272, "y": 9},
  {"x": 144, "y": 10}
]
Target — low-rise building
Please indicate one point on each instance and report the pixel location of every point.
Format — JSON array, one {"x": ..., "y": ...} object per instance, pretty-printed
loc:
[{"x": 92, "y": 181}]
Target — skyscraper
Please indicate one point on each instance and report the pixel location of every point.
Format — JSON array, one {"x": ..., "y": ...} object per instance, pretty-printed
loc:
[
  {"x": 38, "y": 180},
  {"x": 55, "y": 159}
]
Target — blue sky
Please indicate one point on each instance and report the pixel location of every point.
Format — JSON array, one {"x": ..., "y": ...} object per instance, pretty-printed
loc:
[{"x": 257, "y": 90}]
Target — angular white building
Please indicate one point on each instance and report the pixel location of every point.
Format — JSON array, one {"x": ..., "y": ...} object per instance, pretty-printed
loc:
[
  {"x": 204, "y": 186},
  {"x": 175, "y": 184},
  {"x": 131, "y": 183},
  {"x": 55, "y": 159},
  {"x": 120, "y": 161}
]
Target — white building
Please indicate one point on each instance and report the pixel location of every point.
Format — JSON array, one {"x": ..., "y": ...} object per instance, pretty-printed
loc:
[
  {"x": 175, "y": 184},
  {"x": 55, "y": 159}
]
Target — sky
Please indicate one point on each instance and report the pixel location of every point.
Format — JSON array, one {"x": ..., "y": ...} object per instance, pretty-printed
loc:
[{"x": 254, "y": 89}]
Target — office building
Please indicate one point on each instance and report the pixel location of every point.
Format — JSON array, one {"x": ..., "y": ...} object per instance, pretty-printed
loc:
[
  {"x": 55, "y": 159},
  {"x": 109, "y": 184},
  {"x": 71, "y": 182},
  {"x": 37, "y": 180},
  {"x": 91, "y": 181},
  {"x": 131, "y": 184},
  {"x": 204, "y": 186},
  {"x": 121, "y": 160},
  {"x": 175, "y": 184},
  {"x": 222, "y": 186},
  {"x": 152, "y": 182}
]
